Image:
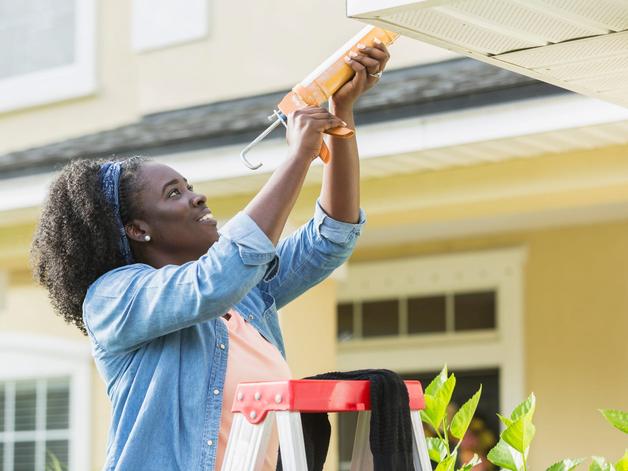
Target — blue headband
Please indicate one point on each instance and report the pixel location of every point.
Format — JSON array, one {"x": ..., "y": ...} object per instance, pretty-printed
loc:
[{"x": 110, "y": 184}]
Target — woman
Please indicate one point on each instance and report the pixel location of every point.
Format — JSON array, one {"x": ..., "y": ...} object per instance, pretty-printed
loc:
[{"x": 178, "y": 312}]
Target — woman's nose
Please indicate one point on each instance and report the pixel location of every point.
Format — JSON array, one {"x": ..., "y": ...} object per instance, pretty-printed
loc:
[{"x": 199, "y": 200}]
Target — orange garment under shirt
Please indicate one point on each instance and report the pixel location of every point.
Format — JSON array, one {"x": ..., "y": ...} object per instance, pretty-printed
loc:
[{"x": 251, "y": 358}]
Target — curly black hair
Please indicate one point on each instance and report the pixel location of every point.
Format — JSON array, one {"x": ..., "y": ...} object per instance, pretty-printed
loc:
[{"x": 76, "y": 240}]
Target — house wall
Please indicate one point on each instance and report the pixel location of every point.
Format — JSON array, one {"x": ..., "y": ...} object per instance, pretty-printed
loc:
[
  {"x": 575, "y": 324},
  {"x": 575, "y": 290},
  {"x": 265, "y": 47}
]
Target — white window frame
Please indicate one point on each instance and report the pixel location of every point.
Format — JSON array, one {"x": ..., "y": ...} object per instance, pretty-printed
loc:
[
  {"x": 149, "y": 33},
  {"x": 32, "y": 357},
  {"x": 59, "y": 83},
  {"x": 501, "y": 348}
]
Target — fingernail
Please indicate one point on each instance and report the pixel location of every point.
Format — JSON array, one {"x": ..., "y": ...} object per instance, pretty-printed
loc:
[
  {"x": 347, "y": 59},
  {"x": 361, "y": 46},
  {"x": 353, "y": 54},
  {"x": 377, "y": 41},
  {"x": 344, "y": 124}
]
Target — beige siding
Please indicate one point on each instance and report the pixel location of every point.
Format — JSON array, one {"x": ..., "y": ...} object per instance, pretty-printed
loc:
[{"x": 575, "y": 314}]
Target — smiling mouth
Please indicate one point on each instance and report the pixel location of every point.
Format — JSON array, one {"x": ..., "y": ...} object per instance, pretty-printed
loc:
[{"x": 207, "y": 219}]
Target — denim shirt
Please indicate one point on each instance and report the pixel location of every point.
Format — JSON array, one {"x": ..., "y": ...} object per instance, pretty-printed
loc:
[{"x": 161, "y": 348}]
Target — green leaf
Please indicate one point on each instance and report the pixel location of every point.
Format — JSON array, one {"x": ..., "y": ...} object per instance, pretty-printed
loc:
[
  {"x": 471, "y": 463},
  {"x": 462, "y": 419},
  {"x": 436, "y": 448},
  {"x": 520, "y": 434},
  {"x": 505, "y": 420},
  {"x": 565, "y": 465},
  {"x": 442, "y": 399},
  {"x": 617, "y": 418},
  {"x": 436, "y": 406},
  {"x": 437, "y": 382},
  {"x": 526, "y": 408},
  {"x": 448, "y": 463},
  {"x": 427, "y": 415},
  {"x": 622, "y": 464},
  {"x": 600, "y": 464},
  {"x": 501, "y": 455}
]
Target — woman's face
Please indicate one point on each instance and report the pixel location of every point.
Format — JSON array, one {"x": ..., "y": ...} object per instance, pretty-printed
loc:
[{"x": 179, "y": 223}]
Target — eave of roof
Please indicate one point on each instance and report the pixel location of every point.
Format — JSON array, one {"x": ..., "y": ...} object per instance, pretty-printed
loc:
[{"x": 414, "y": 91}]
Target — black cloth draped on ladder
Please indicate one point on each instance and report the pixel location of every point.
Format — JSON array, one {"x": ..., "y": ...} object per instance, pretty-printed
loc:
[{"x": 390, "y": 432}]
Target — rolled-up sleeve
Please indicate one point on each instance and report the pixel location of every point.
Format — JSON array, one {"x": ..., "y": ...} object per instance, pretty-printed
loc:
[
  {"x": 344, "y": 233},
  {"x": 312, "y": 253},
  {"x": 254, "y": 246},
  {"x": 137, "y": 303}
]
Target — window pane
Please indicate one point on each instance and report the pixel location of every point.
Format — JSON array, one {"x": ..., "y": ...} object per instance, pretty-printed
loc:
[
  {"x": 40, "y": 32},
  {"x": 1, "y": 408},
  {"x": 24, "y": 457},
  {"x": 475, "y": 311},
  {"x": 345, "y": 321},
  {"x": 57, "y": 404},
  {"x": 25, "y": 405},
  {"x": 426, "y": 314},
  {"x": 380, "y": 318},
  {"x": 57, "y": 449}
]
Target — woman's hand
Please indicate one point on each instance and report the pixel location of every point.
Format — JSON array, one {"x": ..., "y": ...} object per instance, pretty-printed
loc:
[
  {"x": 305, "y": 130},
  {"x": 369, "y": 60}
]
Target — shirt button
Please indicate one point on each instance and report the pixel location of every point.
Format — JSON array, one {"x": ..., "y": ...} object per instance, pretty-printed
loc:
[
  {"x": 222, "y": 346},
  {"x": 216, "y": 392},
  {"x": 210, "y": 442},
  {"x": 251, "y": 316}
]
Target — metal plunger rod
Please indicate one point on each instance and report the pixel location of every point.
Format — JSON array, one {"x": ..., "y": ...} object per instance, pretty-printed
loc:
[{"x": 279, "y": 119}]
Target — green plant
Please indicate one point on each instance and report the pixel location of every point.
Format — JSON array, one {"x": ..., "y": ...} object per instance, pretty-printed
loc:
[
  {"x": 511, "y": 452},
  {"x": 53, "y": 463},
  {"x": 437, "y": 397}
]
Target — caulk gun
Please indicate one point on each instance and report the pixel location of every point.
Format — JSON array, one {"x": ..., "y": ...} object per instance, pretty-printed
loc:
[{"x": 321, "y": 84}]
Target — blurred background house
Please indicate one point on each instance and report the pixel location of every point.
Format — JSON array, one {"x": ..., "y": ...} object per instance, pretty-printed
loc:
[{"x": 497, "y": 235}]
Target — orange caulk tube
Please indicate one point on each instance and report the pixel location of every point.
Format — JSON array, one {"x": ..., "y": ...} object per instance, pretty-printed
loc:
[{"x": 320, "y": 85}]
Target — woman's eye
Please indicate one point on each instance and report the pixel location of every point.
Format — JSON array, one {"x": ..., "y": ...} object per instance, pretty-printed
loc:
[
  {"x": 173, "y": 192},
  {"x": 190, "y": 187}
]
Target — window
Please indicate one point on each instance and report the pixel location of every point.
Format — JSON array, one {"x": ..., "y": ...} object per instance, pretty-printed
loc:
[
  {"x": 50, "y": 51},
  {"x": 420, "y": 315},
  {"x": 464, "y": 310},
  {"x": 44, "y": 402},
  {"x": 35, "y": 421}
]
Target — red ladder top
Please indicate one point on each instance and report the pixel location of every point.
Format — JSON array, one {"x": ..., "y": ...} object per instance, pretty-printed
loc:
[{"x": 255, "y": 400}]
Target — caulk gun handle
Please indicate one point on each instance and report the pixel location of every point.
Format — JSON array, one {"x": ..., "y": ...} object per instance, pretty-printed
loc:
[
  {"x": 324, "y": 154},
  {"x": 341, "y": 132}
]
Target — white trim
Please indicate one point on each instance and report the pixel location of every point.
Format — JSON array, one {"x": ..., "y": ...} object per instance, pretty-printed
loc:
[
  {"x": 412, "y": 135},
  {"x": 26, "y": 356},
  {"x": 438, "y": 131},
  {"x": 71, "y": 81},
  {"x": 500, "y": 270}
]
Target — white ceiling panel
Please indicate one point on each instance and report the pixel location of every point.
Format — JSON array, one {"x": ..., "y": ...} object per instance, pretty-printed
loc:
[
  {"x": 580, "y": 45},
  {"x": 610, "y": 14}
]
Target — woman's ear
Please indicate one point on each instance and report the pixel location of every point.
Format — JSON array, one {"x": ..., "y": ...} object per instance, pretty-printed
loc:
[{"x": 137, "y": 230}]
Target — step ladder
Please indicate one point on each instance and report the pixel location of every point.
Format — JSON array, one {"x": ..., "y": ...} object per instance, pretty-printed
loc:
[{"x": 256, "y": 405}]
